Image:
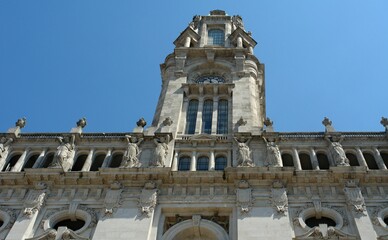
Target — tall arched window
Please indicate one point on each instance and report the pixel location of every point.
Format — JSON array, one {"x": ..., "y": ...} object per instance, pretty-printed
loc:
[
  {"x": 222, "y": 118},
  {"x": 216, "y": 37},
  {"x": 220, "y": 163},
  {"x": 184, "y": 164},
  {"x": 207, "y": 116},
  {"x": 191, "y": 117},
  {"x": 203, "y": 164}
]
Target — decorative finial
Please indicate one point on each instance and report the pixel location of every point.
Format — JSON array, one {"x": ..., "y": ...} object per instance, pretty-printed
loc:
[
  {"x": 268, "y": 122},
  {"x": 21, "y": 122},
  {"x": 82, "y": 122},
  {"x": 141, "y": 123},
  {"x": 241, "y": 122},
  {"x": 384, "y": 122},
  {"x": 167, "y": 122},
  {"x": 327, "y": 123}
]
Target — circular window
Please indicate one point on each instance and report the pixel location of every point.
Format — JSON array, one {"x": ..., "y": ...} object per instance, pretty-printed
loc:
[
  {"x": 386, "y": 220},
  {"x": 314, "y": 222},
  {"x": 73, "y": 225}
]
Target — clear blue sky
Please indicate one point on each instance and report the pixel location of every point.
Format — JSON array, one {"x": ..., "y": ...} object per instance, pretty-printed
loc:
[{"x": 63, "y": 60}]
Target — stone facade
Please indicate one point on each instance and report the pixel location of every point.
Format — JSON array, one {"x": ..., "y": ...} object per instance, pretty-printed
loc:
[{"x": 210, "y": 166}]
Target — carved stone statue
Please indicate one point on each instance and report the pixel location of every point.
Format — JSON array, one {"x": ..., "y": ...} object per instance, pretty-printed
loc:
[
  {"x": 328, "y": 125},
  {"x": 63, "y": 157},
  {"x": 130, "y": 156},
  {"x": 279, "y": 197},
  {"x": 161, "y": 151},
  {"x": 354, "y": 196},
  {"x": 195, "y": 22},
  {"x": 244, "y": 154},
  {"x": 274, "y": 157},
  {"x": 337, "y": 152},
  {"x": 4, "y": 148},
  {"x": 21, "y": 122},
  {"x": 237, "y": 21}
]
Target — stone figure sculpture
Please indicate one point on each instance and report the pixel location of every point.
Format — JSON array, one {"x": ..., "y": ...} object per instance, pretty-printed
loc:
[
  {"x": 274, "y": 157},
  {"x": 63, "y": 157},
  {"x": 337, "y": 152},
  {"x": 130, "y": 158},
  {"x": 161, "y": 151},
  {"x": 244, "y": 154}
]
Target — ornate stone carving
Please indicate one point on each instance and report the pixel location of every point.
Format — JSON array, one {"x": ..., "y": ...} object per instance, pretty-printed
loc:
[
  {"x": 21, "y": 122},
  {"x": 354, "y": 196},
  {"x": 195, "y": 22},
  {"x": 112, "y": 198},
  {"x": 325, "y": 232},
  {"x": 130, "y": 157},
  {"x": 237, "y": 21},
  {"x": 336, "y": 151},
  {"x": 384, "y": 122},
  {"x": 327, "y": 123},
  {"x": 161, "y": 151},
  {"x": 241, "y": 122},
  {"x": 167, "y": 122},
  {"x": 148, "y": 199},
  {"x": 63, "y": 157},
  {"x": 268, "y": 124},
  {"x": 141, "y": 123},
  {"x": 244, "y": 200},
  {"x": 35, "y": 199},
  {"x": 279, "y": 197},
  {"x": 4, "y": 149},
  {"x": 274, "y": 157},
  {"x": 82, "y": 122},
  {"x": 243, "y": 152},
  {"x": 196, "y": 219}
]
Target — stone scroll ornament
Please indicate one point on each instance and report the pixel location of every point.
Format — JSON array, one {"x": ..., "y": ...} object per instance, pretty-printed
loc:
[
  {"x": 148, "y": 199},
  {"x": 336, "y": 151},
  {"x": 274, "y": 158},
  {"x": 35, "y": 199},
  {"x": 279, "y": 197},
  {"x": 130, "y": 158},
  {"x": 354, "y": 196},
  {"x": 244, "y": 200},
  {"x": 64, "y": 156},
  {"x": 244, "y": 158},
  {"x": 161, "y": 151}
]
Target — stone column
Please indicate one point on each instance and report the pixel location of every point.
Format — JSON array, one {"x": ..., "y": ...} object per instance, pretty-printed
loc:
[
  {"x": 212, "y": 162},
  {"x": 88, "y": 161},
  {"x": 19, "y": 164},
  {"x": 107, "y": 159},
  {"x": 198, "y": 125},
  {"x": 40, "y": 159},
  {"x": 314, "y": 159},
  {"x": 174, "y": 166},
  {"x": 215, "y": 114},
  {"x": 295, "y": 158},
  {"x": 229, "y": 159},
  {"x": 193, "y": 164},
  {"x": 203, "y": 34},
  {"x": 187, "y": 42},
  {"x": 239, "y": 42},
  {"x": 360, "y": 157},
  {"x": 379, "y": 159}
]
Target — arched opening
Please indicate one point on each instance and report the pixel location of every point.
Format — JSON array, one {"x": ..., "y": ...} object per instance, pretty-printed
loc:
[
  {"x": 202, "y": 164},
  {"x": 386, "y": 220},
  {"x": 220, "y": 163},
  {"x": 14, "y": 159},
  {"x": 184, "y": 164},
  {"x": 1, "y": 223},
  {"x": 116, "y": 160},
  {"x": 47, "y": 160},
  {"x": 30, "y": 162},
  {"x": 353, "y": 161},
  {"x": 370, "y": 161},
  {"x": 287, "y": 160},
  {"x": 323, "y": 161},
  {"x": 314, "y": 222},
  {"x": 79, "y": 163},
  {"x": 70, "y": 224},
  {"x": 305, "y": 161},
  {"x": 97, "y": 162},
  {"x": 384, "y": 156}
]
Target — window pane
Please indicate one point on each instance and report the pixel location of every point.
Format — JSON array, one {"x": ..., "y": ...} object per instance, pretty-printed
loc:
[
  {"x": 222, "y": 118},
  {"x": 184, "y": 164},
  {"x": 203, "y": 164},
  {"x": 216, "y": 37},
  {"x": 191, "y": 117},
  {"x": 220, "y": 163},
  {"x": 207, "y": 116}
]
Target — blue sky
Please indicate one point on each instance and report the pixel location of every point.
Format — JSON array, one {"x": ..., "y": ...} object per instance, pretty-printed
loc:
[{"x": 63, "y": 60}]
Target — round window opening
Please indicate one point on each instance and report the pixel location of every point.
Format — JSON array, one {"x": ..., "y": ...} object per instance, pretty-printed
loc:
[
  {"x": 1, "y": 223},
  {"x": 314, "y": 222},
  {"x": 386, "y": 220},
  {"x": 73, "y": 225}
]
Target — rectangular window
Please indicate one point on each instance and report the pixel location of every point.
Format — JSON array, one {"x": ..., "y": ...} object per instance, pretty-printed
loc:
[
  {"x": 222, "y": 118},
  {"x": 207, "y": 117},
  {"x": 191, "y": 117}
]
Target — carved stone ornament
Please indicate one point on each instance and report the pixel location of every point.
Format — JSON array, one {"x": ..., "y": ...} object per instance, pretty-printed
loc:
[
  {"x": 244, "y": 200},
  {"x": 237, "y": 21},
  {"x": 112, "y": 198},
  {"x": 274, "y": 158},
  {"x": 64, "y": 156},
  {"x": 336, "y": 151},
  {"x": 141, "y": 123},
  {"x": 279, "y": 197},
  {"x": 244, "y": 158},
  {"x": 148, "y": 199},
  {"x": 130, "y": 157},
  {"x": 354, "y": 196},
  {"x": 328, "y": 125},
  {"x": 35, "y": 199},
  {"x": 241, "y": 122},
  {"x": 325, "y": 232},
  {"x": 21, "y": 122},
  {"x": 4, "y": 149},
  {"x": 161, "y": 151},
  {"x": 384, "y": 122},
  {"x": 167, "y": 122},
  {"x": 82, "y": 122},
  {"x": 194, "y": 24}
]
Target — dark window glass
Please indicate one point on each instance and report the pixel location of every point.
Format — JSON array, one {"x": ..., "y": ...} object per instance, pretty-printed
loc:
[
  {"x": 11, "y": 163},
  {"x": 287, "y": 160},
  {"x": 191, "y": 117},
  {"x": 116, "y": 161},
  {"x": 370, "y": 161},
  {"x": 202, "y": 164},
  {"x": 222, "y": 118},
  {"x": 184, "y": 164},
  {"x": 352, "y": 159},
  {"x": 385, "y": 158},
  {"x": 97, "y": 162},
  {"x": 30, "y": 162},
  {"x": 323, "y": 161},
  {"x": 47, "y": 160},
  {"x": 305, "y": 161},
  {"x": 207, "y": 116},
  {"x": 216, "y": 37},
  {"x": 73, "y": 225},
  {"x": 79, "y": 163},
  {"x": 314, "y": 222},
  {"x": 220, "y": 163}
]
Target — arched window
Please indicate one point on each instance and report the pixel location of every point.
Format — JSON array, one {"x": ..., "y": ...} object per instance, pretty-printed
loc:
[
  {"x": 315, "y": 221},
  {"x": 370, "y": 161},
  {"x": 352, "y": 159},
  {"x": 216, "y": 37},
  {"x": 287, "y": 160},
  {"x": 384, "y": 156},
  {"x": 323, "y": 161},
  {"x": 116, "y": 160},
  {"x": 222, "y": 118},
  {"x": 305, "y": 161},
  {"x": 30, "y": 162},
  {"x": 47, "y": 160},
  {"x": 11, "y": 162},
  {"x": 203, "y": 164},
  {"x": 97, "y": 162},
  {"x": 70, "y": 223},
  {"x": 184, "y": 164},
  {"x": 191, "y": 117},
  {"x": 207, "y": 116},
  {"x": 220, "y": 163},
  {"x": 79, "y": 163}
]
